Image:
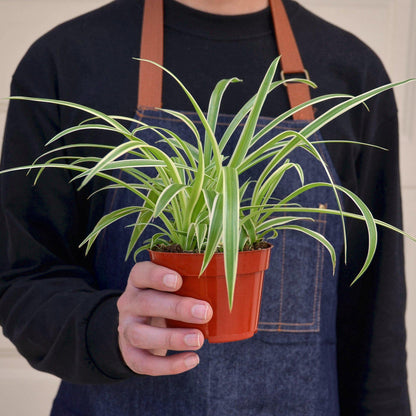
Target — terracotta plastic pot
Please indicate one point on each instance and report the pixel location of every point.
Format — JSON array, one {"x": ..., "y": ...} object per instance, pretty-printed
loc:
[{"x": 225, "y": 326}]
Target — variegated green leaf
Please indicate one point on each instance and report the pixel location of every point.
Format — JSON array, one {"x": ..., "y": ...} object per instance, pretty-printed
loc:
[{"x": 231, "y": 215}]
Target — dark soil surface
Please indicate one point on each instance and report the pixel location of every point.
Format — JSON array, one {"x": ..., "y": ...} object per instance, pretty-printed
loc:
[{"x": 176, "y": 248}]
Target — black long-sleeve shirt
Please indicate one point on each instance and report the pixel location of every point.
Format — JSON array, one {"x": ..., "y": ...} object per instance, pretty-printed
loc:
[{"x": 50, "y": 306}]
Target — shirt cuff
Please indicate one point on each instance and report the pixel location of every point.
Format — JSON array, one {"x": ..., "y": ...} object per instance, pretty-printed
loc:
[{"x": 102, "y": 341}]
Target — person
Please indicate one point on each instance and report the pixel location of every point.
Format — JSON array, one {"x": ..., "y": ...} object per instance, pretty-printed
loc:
[{"x": 104, "y": 336}]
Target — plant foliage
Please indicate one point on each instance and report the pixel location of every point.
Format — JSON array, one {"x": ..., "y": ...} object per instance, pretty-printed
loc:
[{"x": 197, "y": 194}]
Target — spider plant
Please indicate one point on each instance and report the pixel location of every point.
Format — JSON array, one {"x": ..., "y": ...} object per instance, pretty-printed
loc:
[{"x": 197, "y": 194}]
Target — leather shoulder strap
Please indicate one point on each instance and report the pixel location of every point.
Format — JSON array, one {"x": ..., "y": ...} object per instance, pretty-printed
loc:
[
  {"x": 150, "y": 77},
  {"x": 151, "y": 47},
  {"x": 291, "y": 60}
]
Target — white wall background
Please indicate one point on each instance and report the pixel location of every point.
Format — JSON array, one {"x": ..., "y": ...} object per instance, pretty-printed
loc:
[{"x": 386, "y": 25}]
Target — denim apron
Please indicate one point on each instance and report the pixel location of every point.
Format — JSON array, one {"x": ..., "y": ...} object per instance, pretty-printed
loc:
[{"x": 289, "y": 367}]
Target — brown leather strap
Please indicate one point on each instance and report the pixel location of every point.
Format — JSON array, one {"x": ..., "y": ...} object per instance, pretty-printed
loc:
[
  {"x": 290, "y": 60},
  {"x": 150, "y": 77}
]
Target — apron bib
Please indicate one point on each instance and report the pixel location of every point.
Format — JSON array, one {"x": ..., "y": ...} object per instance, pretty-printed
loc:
[{"x": 289, "y": 367}]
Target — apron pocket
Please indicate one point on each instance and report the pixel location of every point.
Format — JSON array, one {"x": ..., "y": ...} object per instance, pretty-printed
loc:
[{"x": 292, "y": 290}]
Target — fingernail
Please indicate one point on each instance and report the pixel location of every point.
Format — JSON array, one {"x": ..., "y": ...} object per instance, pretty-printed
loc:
[
  {"x": 192, "y": 340},
  {"x": 200, "y": 312},
  {"x": 170, "y": 280},
  {"x": 191, "y": 361}
]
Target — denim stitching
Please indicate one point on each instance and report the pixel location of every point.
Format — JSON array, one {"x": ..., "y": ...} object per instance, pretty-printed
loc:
[{"x": 316, "y": 307}]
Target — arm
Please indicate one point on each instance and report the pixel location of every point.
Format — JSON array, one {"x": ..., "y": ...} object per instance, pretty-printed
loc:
[
  {"x": 50, "y": 306},
  {"x": 47, "y": 293},
  {"x": 371, "y": 328}
]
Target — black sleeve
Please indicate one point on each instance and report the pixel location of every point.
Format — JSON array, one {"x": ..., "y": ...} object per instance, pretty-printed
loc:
[
  {"x": 371, "y": 326},
  {"x": 50, "y": 307}
]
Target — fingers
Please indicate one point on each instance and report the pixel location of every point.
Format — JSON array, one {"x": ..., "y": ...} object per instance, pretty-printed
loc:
[
  {"x": 147, "y": 275},
  {"x": 143, "y": 362},
  {"x": 149, "y": 337},
  {"x": 151, "y": 303},
  {"x": 143, "y": 307},
  {"x": 139, "y": 342},
  {"x": 148, "y": 294}
]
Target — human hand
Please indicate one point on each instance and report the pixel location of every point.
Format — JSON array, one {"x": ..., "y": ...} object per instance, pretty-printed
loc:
[{"x": 143, "y": 307}]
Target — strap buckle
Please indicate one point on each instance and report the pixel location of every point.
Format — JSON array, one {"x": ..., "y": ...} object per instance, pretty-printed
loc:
[{"x": 283, "y": 75}]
